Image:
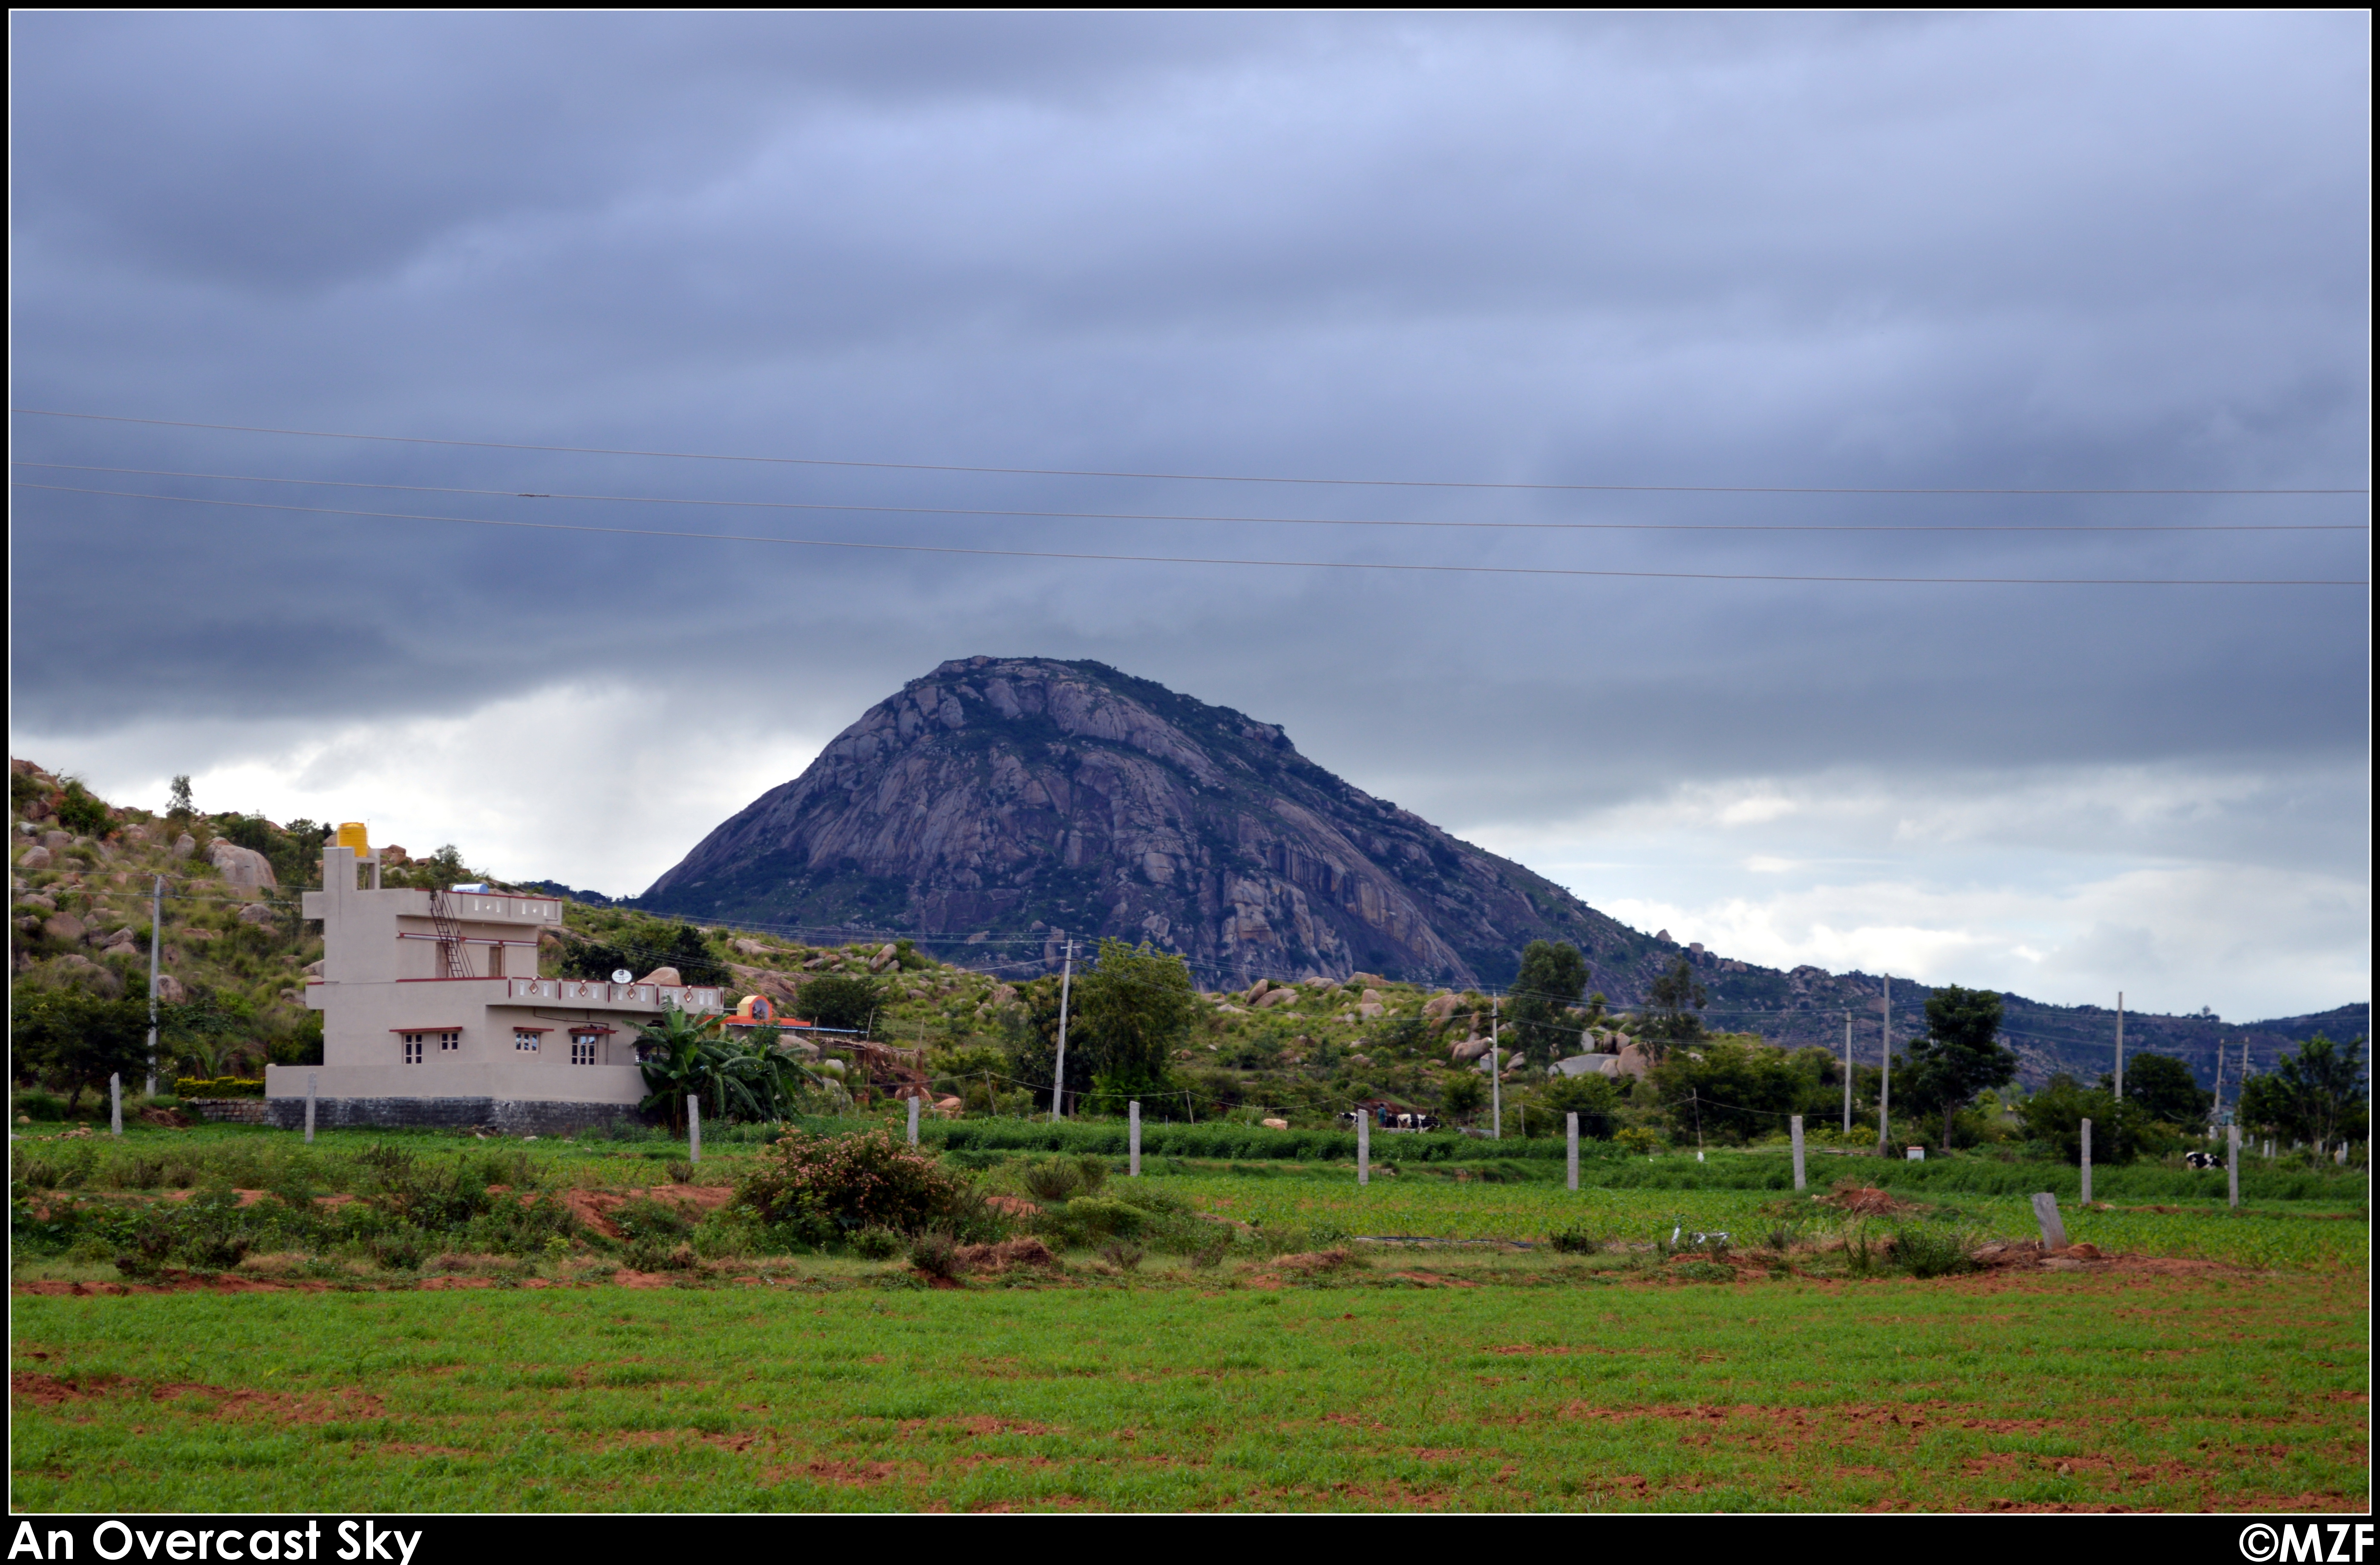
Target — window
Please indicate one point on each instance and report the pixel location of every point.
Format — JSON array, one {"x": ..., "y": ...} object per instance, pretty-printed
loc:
[
  {"x": 413, "y": 1049},
  {"x": 449, "y": 1042},
  {"x": 525, "y": 1041},
  {"x": 582, "y": 1048}
]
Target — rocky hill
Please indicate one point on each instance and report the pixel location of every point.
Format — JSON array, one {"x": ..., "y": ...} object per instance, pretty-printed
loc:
[
  {"x": 1035, "y": 799},
  {"x": 1017, "y": 802}
]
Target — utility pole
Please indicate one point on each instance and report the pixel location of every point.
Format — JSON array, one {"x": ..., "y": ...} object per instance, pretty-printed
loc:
[
  {"x": 2218, "y": 1086},
  {"x": 156, "y": 944},
  {"x": 1884, "y": 1098},
  {"x": 2120, "y": 1046},
  {"x": 1495, "y": 1069},
  {"x": 1066, "y": 991},
  {"x": 1846, "y": 1073}
]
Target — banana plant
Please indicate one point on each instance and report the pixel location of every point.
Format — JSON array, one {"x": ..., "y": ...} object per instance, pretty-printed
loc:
[{"x": 683, "y": 1058}]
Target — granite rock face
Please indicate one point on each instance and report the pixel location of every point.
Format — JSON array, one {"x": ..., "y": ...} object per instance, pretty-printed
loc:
[{"x": 1030, "y": 799}]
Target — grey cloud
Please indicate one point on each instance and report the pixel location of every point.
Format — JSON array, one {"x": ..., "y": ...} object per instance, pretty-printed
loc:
[{"x": 2099, "y": 251}]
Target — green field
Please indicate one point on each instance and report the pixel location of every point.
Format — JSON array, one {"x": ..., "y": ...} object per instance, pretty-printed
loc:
[
  {"x": 2215, "y": 1360},
  {"x": 1371, "y": 1391}
]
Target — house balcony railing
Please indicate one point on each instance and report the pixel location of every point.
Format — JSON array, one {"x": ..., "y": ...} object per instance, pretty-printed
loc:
[{"x": 616, "y": 997}]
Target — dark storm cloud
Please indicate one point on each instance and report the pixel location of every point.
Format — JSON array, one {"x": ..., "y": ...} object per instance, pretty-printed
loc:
[{"x": 1937, "y": 251}]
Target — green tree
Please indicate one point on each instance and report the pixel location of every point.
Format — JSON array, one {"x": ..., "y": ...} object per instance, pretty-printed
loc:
[
  {"x": 2319, "y": 1095},
  {"x": 1594, "y": 1099},
  {"x": 2166, "y": 1090},
  {"x": 1724, "y": 1089},
  {"x": 1961, "y": 1054},
  {"x": 2119, "y": 1131},
  {"x": 1552, "y": 977},
  {"x": 1463, "y": 1094},
  {"x": 1137, "y": 1004},
  {"x": 77, "y": 1040},
  {"x": 844, "y": 1002},
  {"x": 178, "y": 801},
  {"x": 1671, "y": 1009}
]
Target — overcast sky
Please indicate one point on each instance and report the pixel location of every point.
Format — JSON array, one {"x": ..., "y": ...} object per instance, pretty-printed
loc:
[{"x": 2114, "y": 251}]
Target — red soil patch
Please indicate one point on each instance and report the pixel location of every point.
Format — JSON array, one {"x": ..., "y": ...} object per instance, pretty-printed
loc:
[
  {"x": 593, "y": 1206},
  {"x": 169, "y": 1282},
  {"x": 47, "y": 1390}
]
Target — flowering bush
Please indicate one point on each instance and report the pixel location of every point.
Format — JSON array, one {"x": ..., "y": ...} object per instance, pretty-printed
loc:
[{"x": 822, "y": 1187}]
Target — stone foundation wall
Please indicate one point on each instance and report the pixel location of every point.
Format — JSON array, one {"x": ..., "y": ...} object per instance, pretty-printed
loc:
[
  {"x": 236, "y": 1111},
  {"x": 498, "y": 1116}
]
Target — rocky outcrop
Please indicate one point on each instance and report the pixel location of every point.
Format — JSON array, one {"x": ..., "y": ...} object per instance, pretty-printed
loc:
[
  {"x": 243, "y": 868},
  {"x": 1030, "y": 800}
]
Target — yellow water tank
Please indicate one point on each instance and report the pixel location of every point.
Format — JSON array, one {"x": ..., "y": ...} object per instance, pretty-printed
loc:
[{"x": 353, "y": 835}]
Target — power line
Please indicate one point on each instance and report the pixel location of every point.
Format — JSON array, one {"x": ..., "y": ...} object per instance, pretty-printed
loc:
[
  {"x": 1187, "y": 478},
  {"x": 1204, "y": 560},
  {"x": 1193, "y": 516}
]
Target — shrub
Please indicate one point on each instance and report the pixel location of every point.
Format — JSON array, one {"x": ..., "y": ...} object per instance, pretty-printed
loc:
[
  {"x": 1930, "y": 1251},
  {"x": 1574, "y": 1241},
  {"x": 217, "y": 1087},
  {"x": 1055, "y": 1180},
  {"x": 1638, "y": 1139},
  {"x": 935, "y": 1252},
  {"x": 1120, "y": 1256},
  {"x": 681, "y": 1171},
  {"x": 821, "y": 1186},
  {"x": 35, "y": 1104},
  {"x": 876, "y": 1244}
]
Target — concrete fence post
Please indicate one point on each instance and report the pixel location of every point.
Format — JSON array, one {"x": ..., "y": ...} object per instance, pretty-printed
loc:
[
  {"x": 2044, "y": 1212},
  {"x": 309, "y": 1108},
  {"x": 2087, "y": 1162},
  {"x": 1363, "y": 1146},
  {"x": 114, "y": 1104},
  {"x": 1571, "y": 1132},
  {"x": 693, "y": 1128},
  {"x": 1801, "y": 1174},
  {"x": 2232, "y": 1163},
  {"x": 913, "y": 1101},
  {"x": 1134, "y": 1114}
]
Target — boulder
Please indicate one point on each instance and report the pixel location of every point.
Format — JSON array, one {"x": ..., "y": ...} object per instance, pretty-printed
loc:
[
  {"x": 751, "y": 948},
  {"x": 1316, "y": 981},
  {"x": 1369, "y": 980},
  {"x": 35, "y": 858},
  {"x": 1370, "y": 1009},
  {"x": 1472, "y": 1048},
  {"x": 663, "y": 976},
  {"x": 57, "y": 842},
  {"x": 313, "y": 969},
  {"x": 1272, "y": 998},
  {"x": 62, "y": 927},
  {"x": 814, "y": 963},
  {"x": 391, "y": 853},
  {"x": 257, "y": 913},
  {"x": 1256, "y": 990},
  {"x": 1002, "y": 994},
  {"x": 1276, "y": 1125},
  {"x": 121, "y": 937},
  {"x": 35, "y": 899},
  {"x": 1373, "y": 997},
  {"x": 882, "y": 959},
  {"x": 1440, "y": 1007},
  {"x": 169, "y": 988},
  {"x": 124, "y": 948},
  {"x": 185, "y": 845},
  {"x": 243, "y": 868}
]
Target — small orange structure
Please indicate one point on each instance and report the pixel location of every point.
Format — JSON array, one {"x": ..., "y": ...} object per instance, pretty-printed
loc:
[{"x": 757, "y": 1011}]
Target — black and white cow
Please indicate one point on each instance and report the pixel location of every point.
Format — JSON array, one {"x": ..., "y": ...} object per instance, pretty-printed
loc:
[{"x": 2205, "y": 1161}]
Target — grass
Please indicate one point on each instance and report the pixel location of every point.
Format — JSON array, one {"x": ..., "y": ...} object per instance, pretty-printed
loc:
[
  {"x": 1480, "y": 1369},
  {"x": 1180, "y": 1392}
]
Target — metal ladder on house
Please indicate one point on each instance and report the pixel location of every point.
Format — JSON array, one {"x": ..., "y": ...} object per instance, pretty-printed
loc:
[{"x": 449, "y": 936}]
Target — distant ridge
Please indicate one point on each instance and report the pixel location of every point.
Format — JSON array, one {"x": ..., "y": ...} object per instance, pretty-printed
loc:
[{"x": 1033, "y": 799}]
